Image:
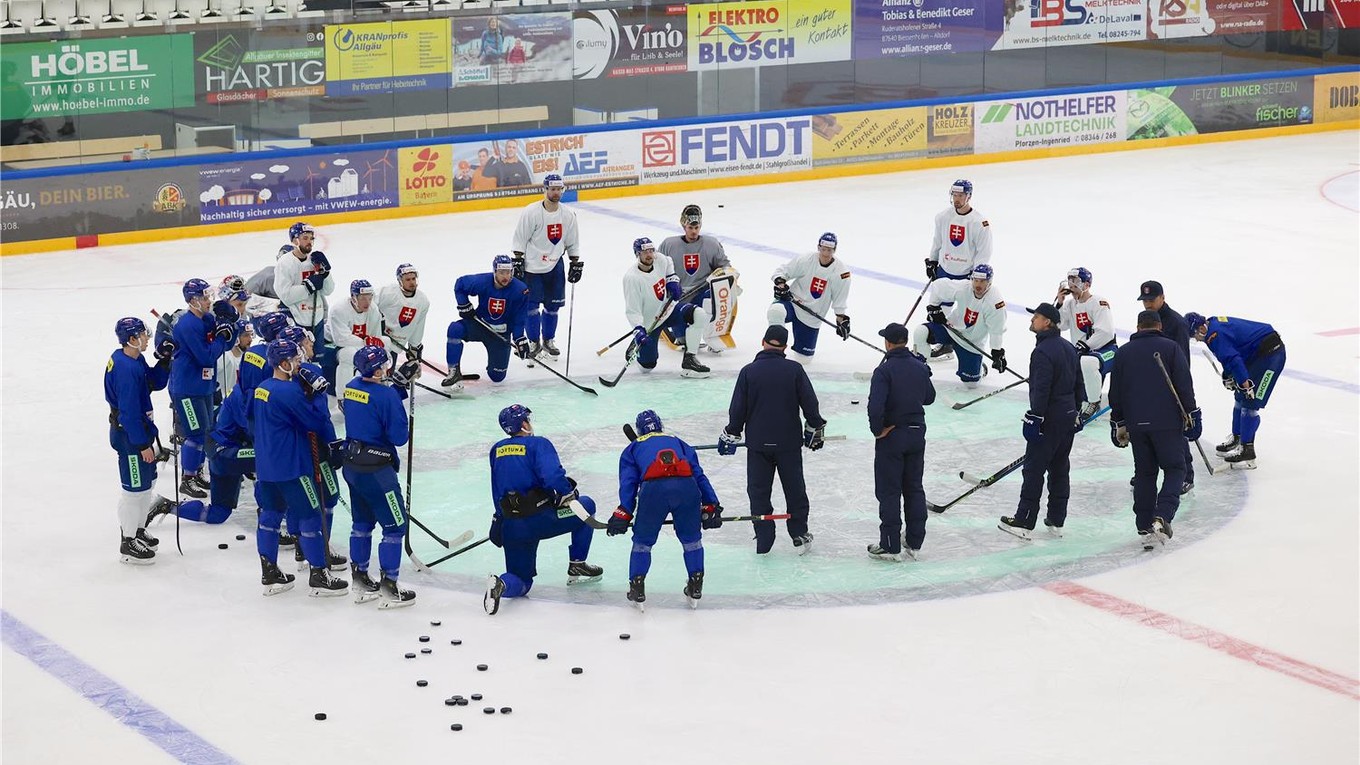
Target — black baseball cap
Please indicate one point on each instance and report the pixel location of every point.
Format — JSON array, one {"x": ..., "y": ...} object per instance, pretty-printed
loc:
[
  {"x": 894, "y": 333},
  {"x": 1047, "y": 311},
  {"x": 1150, "y": 290},
  {"x": 776, "y": 335}
]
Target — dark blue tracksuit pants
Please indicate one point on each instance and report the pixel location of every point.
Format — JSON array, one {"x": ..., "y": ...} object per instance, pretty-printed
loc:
[
  {"x": 1155, "y": 450},
  {"x": 899, "y": 464},
  {"x": 1048, "y": 455},
  {"x": 760, "y": 469}
]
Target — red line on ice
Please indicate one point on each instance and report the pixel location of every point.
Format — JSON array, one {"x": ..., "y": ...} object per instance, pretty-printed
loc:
[
  {"x": 1341, "y": 332},
  {"x": 1240, "y": 649}
]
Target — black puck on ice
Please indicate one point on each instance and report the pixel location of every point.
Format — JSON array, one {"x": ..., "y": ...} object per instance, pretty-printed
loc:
[
  {"x": 854, "y": 402},
  {"x": 506, "y": 710},
  {"x": 456, "y": 726},
  {"x": 222, "y": 546},
  {"x": 435, "y": 623},
  {"x": 450, "y": 702},
  {"x": 624, "y": 636},
  {"x": 543, "y": 656},
  {"x": 462, "y": 702},
  {"x": 422, "y": 683},
  {"x": 455, "y": 642},
  {"x": 577, "y": 670},
  {"x": 481, "y": 667},
  {"x": 240, "y": 537},
  {"x": 427, "y": 650},
  {"x": 476, "y": 697},
  {"x": 320, "y": 715},
  {"x": 424, "y": 638},
  {"x": 488, "y": 710},
  {"x": 410, "y": 656}
]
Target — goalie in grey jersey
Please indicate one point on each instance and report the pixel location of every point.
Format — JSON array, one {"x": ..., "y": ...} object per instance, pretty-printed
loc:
[{"x": 705, "y": 271}]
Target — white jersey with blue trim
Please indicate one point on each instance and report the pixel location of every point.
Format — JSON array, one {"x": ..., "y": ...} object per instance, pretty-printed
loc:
[
  {"x": 644, "y": 292},
  {"x": 403, "y": 317},
  {"x": 544, "y": 237},
  {"x": 981, "y": 320},
  {"x": 1087, "y": 320},
  {"x": 817, "y": 286},
  {"x": 961, "y": 242}
]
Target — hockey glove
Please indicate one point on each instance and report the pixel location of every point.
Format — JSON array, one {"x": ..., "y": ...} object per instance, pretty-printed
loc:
[
  {"x": 336, "y": 453},
  {"x": 842, "y": 326},
  {"x": 1228, "y": 382},
  {"x": 781, "y": 289},
  {"x": 224, "y": 312},
  {"x": 1033, "y": 428},
  {"x": 935, "y": 315},
  {"x": 315, "y": 282},
  {"x": 517, "y": 261},
  {"x": 618, "y": 522},
  {"x": 639, "y": 336},
  {"x": 466, "y": 312},
  {"x": 165, "y": 349},
  {"x": 1119, "y": 435},
  {"x": 711, "y": 516},
  {"x": 1247, "y": 389},
  {"x": 495, "y": 534},
  {"x": 522, "y": 348},
  {"x": 814, "y": 438},
  {"x": 320, "y": 262},
  {"x": 1196, "y": 427},
  {"x": 414, "y": 352},
  {"x": 932, "y": 269},
  {"x": 673, "y": 289},
  {"x": 574, "y": 270},
  {"x": 727, "y": 444},
  {"x": 1082, "y": 348},
  {"x": 312, "y": 383},
  {"x": 226, "y": 330},
  {"x": 371, "y": 340},
  {"x": 404, "y": 374},
  {"x": 999, "y": 359}
]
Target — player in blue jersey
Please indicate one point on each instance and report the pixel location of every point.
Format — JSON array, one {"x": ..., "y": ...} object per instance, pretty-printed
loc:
[
  {"x": 128, "y": 382},
  {"x": 254, "y": 365},
  {"x": 231, "y": 461},
  {"x": 201, "y": 336},
  {"x": 286, "y": 468},
  {"x": 375, "y": 426},
  {"x": 1252, "y": 355},
  {"x": 531, "y": 494},
  {"x": 660, "y": 476},
  {"x": 502, "y": 303}
]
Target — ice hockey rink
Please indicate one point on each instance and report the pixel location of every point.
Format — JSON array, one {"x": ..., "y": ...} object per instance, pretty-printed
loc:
[{"x": 1237, "y": 643}]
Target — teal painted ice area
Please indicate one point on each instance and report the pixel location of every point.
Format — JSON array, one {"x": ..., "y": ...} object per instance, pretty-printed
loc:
[{"x": 964, "y": 553}]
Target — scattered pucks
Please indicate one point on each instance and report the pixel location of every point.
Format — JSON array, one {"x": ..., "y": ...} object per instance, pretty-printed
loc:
[
  {"x": 320, "y": 715},
  {"x": 410, "y": 656},
  {"x": 455, "y": 642},
  {"x": 481, "y": 667},
  {"x": 543, "y": 656},
  {"x": 435, "y": 623},
  {"x": 422, "y": 683},
  {"x": 240, "y": 537},
  {"x": 458, "y": 697},
  {"x": 424, "y": 638},
  {"x": 577, "y": 670},
  {"x": 427, "y": 650},
  {"x": 450, "y": 702},
  {"x": 506, "y": 710},
  {"x": 488, "y": 710},
  {"x": 222, "y": 546},
  {"x": 462, "y": 702},
  {"x": 476, "y": 697},
  {"x": 624, "y": 636},
  {"x": 456, "y": 726}
]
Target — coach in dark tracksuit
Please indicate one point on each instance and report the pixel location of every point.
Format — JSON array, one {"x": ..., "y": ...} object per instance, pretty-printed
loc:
[
  {"x": 1056, "y": 392},
  {"x": 898, "y": 395},
  {"x": 1144, "y": 412},
  {"x": 1176, "y": 328},
  {"x": 768, "y": 395}
]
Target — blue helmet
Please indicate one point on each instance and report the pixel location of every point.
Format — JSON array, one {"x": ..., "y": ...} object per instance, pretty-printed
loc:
[
  {"x": 1082, "y": 275},
  {"x": 404, "y": 269},
  {"x": 647, "y": 422},
  {"x": 270, "y": 325},
  {"x": 280, "y": 351},
  {"x": 828, "y": 240},
  {"x": 982, "y": 271},
  {"x": 964, "y": 185},
  {"x": 642, "y": 243},
  {"x": 369, "y": 359},
  {"x": 1195, "y": 320},
  {"x": 553, "y": 180},
  {"x": 298, "y": 229},
  {"x": 195, "y": 288},
  {"x": 360, "y": 287},
  {"x": 513, "y": 417},
  {"x": 502, "y": 263},
  {"x": 293, "y": 334},
  {"x": 128, "y": 328}
]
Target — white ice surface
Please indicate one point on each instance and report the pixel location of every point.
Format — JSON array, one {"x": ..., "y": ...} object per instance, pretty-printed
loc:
[{"x": 1262, "y": 229}]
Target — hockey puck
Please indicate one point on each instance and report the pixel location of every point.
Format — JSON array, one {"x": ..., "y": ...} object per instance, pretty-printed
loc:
[
  {"x": 222, "y": 546},
  {"x": 854, "y": 402},
  {"x": 427, "y": 650},
  {"x": 456, "y": 726},
  {"x": 506, "y": 710},
  {"x": 462, "y": 702},
  {"x": 424, "y": 638},
  {"x": 543, "y": 656},
  {"x": 320, "y": 715},
  {"x": 481, "y": 667},
  {"x": 488, "y": 710},
  {"x": 240, "y": 537},
  {"x": 422, "y": 683},
  {"x": 450, "y": 702},
  {"x": 624, "y": 636},
  {"x": 455, "y": 642},
  {"x": 410, "y": 656},
  {"x": 435, "y": 623},
  {"x": 476, "y": 697},
  {"x": 720, "y": 207},
  {"x": 577, "y": 670}
]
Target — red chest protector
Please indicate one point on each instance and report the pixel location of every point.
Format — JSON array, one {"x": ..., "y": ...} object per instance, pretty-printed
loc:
[{"x": 667, "y": 465}]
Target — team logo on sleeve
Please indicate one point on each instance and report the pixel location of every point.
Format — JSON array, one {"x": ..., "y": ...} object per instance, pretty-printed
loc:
[
  {"x": 407, "y": 315},
  {"x": 554, "y": 232},
  {"x": 970, "y": 317},
  {"x": 818, "y": 287},
  {"x": 359, "y": 330},
  {"x": 496, "y": 307},
  {"x": 691, "y": 262},
  {"x": 955, "y": 234},
  {"x": 1084, "y": 321}
]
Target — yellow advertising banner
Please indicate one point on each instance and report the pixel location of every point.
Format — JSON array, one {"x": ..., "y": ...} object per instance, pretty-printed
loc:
[
  {"x": 1336, "y": 97},
  {"x": 751, "y": 34},
  {"x": 880, "y": 133},
  {"x": 425, "y": 174},
  {"x": 385, "y": 57}
]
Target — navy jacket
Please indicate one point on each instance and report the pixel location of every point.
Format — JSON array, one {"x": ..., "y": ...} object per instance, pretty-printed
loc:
[
  {"x": 1055, "y": 386},
  {"x": 900, "y": 391},
  {"x": 1175, "y": 327},
  {"x": 1139, "y": 396},
  {"x": 765, "y": 403}
]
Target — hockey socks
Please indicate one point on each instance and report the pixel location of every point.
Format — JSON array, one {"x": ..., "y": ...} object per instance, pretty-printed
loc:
[
  {"x": 191, "y": 455},
  {"x": 549, "y": 325},
  {"x": 1251, "y": 420},
  {"x": 195, "y": 510},
  {"x": 132, "y": 509},
  {"x": 1237, "y": 421},
  {"x": 313, "y": 548},
  {"x": 267, "y": 535},
  {"x": 694, "y": 556},
  {"x": 640, "y": 560},
  {"x": 361, "y": 543},
  {"x": 515, "y": 587},
  {"x": 533, "y": 324},
  {"x": 389, "y": 552}
]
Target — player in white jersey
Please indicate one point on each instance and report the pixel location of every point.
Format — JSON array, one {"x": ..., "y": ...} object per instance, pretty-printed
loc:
[
  {"x": 352, "y": 325},
  {"x": 818, "y": 280},
  {"x": 546, "y": 232},
  {"x": 1090, "y": 325},
  {"x": 962, "y": 240},
  {"x": 978, "y": 315},
  {"x": 650, "y": 292},
  {"x": 404, "y": 309},
  {"x": 302, "y": 278}
]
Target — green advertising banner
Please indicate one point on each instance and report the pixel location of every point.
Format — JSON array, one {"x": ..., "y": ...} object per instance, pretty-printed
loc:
[{"x": 96, "y": 76}]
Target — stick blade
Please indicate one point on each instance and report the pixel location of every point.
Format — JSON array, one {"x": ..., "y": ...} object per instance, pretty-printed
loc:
[
  {"x": 970, "y": 478},
  {"x": 934, "y": 508}
]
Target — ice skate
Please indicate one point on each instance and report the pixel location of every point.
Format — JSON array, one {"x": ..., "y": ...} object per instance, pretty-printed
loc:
[
  {"x": 189, "y": 488},
  {"x": 1242, "y": 459},
  {"x": 637, "y": 592},
  {"x": 198, "y": 480},
  {"x": 690, "y": 367},
  {"x": 551, "y": 348},
  {"x": 1148, "y": 540},
  {"x": 147, "y": 539},
  {"x": 491, "y": 600},
  {"x": 1013, "y": 527},
  {"x": 300, "y": 558},
  {"x": 1162, "y": 530},
  {"x": 911, "y": 553},
  {"x": 1089, "y": 409},
  {"x": 454, "y": 379},
  {"x": 134, "y": 552},
  {"x": 581, "y": 572},
  {"x": 803, "y": 545},
  {"x": 274, "y": 580},
  {"x": 1229, "y": 446},
  {"x": 1187, "y": 487},
  {"x": 394, "y": 595},
  {"x": 335, "y": 561},
  {"x": 694, "y": 588},
  {"x": 287, "y": 540},
  {"x": 534, "y": 350},
  {"x": 324, "y": 585},
  {"x": 878, "y": 553},
  {"x": 159, "y": 507},
  {"x": 362, "y": 585},
  {"x": 942, "y": 353},
  {"x": 1055, "y": 530}
]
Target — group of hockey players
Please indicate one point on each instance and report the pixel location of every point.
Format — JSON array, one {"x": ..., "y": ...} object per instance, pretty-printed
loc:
[{"x": 252, "y": 365}]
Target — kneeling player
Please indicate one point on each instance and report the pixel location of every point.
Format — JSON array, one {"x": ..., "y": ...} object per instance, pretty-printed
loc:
[
  {"x": 978, "y": 315},
  {"x": 660, "y": 476},
  {"x": 1253, "y": 356},
  {"x": 498, "y": 317},
  {"x": 819, "y": 281},
  {"x": 650, "y": 292},
  {"x": 532, "y": 494},
  {"x": 232, "y": 459},
  {"x": 1091, "y": 328},
  {"x": 375, "y": 426}
]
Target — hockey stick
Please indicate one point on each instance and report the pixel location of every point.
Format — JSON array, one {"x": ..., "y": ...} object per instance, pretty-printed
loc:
[
  {"x": 982, "y": 353},
  {"x": 423, "y": 386},
  {"x": 1185, "y": 417},
  {"x": 634, "y": 348},
  {"x": 1212, "y": 362},
  {"x": 580, "y": 511},
  {"x": 571, "y": 320},
  {"x": 428, "y": 365},
  {"x": 967, "y": 404},
  {"x": 540, "y": 364},
  {"x": 457, "y": 552},
  {"x": 628, "y": 334},
  {"x": 917, "y": 304},
  {"x": 833, "y": 324},
  {"x": 631, "y": 434}
]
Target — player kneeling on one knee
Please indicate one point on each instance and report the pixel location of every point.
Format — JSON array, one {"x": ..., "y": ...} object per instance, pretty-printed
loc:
[
  {"x": 232, "y": 460},
  {"x": 818, "y": 282},
  {"x": 498, "y": 317},
  {"x": 651, "y": 290},
  {"x": 1091, "y": 328},
  {"x": 977, "y": 314},
  {"x": 660, "y": 477},
  {"x": 533, "y": 498}
]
